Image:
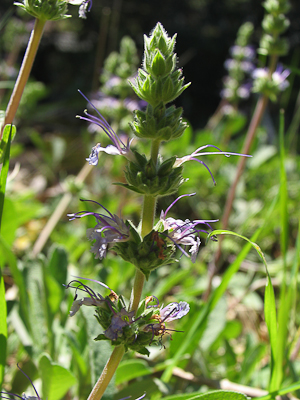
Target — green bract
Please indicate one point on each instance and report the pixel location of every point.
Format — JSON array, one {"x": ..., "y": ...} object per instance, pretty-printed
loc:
[
  {"x": 45, "y": 10},
  {"x": 158, "y": 123},
  {"x": 270, "y": 45},
  {"x": 144, "y": 177},
  {"x": 147, "y": 254}
]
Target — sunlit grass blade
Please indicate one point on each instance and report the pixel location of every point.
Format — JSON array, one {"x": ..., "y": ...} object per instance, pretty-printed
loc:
[
  {"x": 5, "y": 151},
  {"x": 3, "y": 329},
  {"x": 280, "y": 392},
  {"x": 197, "y": 328},
  {"x": 18, "y": 278},
  {"x": 284, "y": 304}
]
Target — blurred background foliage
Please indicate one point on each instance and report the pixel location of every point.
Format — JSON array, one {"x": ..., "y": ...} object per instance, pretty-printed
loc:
[{"x": 50, "y": 149}]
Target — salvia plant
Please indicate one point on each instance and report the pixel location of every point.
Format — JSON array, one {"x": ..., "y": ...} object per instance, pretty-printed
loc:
[{"x": 143, "y": 323}]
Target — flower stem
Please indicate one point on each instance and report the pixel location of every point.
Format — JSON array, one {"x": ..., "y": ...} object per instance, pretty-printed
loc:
[
  {"x": 107, "y": 373},
  {"x": 24, "y": 72},
  {"x": 147, "y": 226}
]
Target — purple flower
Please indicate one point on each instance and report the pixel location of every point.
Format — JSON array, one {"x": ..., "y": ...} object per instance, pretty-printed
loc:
[
  {"x": 109, "y": 229},
  {"x": 174, "y": 311},
  {"x": 198, "y": 153},
  {"x": 240, "y": 52},
  {"x": 118, "y": 147},
  {"x": 94, "y": 299},
  {"x": 119, "y": 320},
  {"x": 84, "y": 6},
  {"x": 184, "y": 233},
  {"x": 279, "y": 77}
]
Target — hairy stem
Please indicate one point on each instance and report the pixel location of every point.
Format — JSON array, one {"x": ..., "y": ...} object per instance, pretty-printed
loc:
[
  {"x": 107, "y": 373},
  {"x": 24, "y": 72}
]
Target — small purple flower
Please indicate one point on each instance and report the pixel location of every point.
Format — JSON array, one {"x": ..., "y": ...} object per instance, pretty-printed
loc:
[
  {"x": 118, "y": 321},
  {"x": 118, "y": 147},
  {"x": 94, "y": 299},
  {"x": 109, "y": 229},
  {"x": 240, "y": 52},
  {"x": 279, "y": 77},
  {"x": 84, "y": 6},
  {"x": 184, "y": 233},
  {"x": 174, "y": 311},
  {"x": 198, "y": 153}
]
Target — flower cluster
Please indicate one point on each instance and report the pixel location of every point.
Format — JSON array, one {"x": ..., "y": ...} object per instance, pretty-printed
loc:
[
  {"x": 270, "y": 84},
  {"x": 236, "y": 84},
  {"x": 121, "y": 326}
]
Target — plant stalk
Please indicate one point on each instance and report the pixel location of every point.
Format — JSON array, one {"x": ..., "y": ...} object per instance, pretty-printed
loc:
[
  {"x": 33, "y": 44},
  {"x": 107, "y": 373}
]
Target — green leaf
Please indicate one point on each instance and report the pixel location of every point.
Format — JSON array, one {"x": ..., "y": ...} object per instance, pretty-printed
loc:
[
  {"x": 5, "y": 148},
  {"x": 56, "y": 380},
  {"x": 18, "y": 278},
  {"x": 131, "y": 369},
  {"x": 3, "y": 329},
  {"x": 58, "y": 264},
  {"x": 215, "y": 395}
]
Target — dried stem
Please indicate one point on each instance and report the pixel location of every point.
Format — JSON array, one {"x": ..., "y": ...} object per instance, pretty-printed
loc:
[{"x": 24, "y": 72}]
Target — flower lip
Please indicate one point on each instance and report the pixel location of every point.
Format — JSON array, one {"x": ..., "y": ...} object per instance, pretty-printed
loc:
[
  {"x": 174, "y": 311},
  {"x": 118, "y": 147}
]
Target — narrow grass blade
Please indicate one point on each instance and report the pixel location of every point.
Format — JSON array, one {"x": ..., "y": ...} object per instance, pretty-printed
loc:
[
  {"x": 280, "y": 392},
  {"x": 5, "y": 147},
  {"x": 3, "y": 329},
  {"x": 284, "y": 305}
]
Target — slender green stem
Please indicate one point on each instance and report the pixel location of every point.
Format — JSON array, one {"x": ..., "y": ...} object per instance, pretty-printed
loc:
[
  {"x": 147, "y": 226},
  {"x": 24, "y": 72},
  {"x": 154, "y": 150},
  {"x": 107, "y": 373}
]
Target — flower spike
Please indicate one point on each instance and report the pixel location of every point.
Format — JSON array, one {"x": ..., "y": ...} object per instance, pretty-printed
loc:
[{"x": 118, "y": 147}]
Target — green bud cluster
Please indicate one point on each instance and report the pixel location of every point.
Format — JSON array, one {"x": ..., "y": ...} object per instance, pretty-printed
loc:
[
  {"x": 45, "y": 10},
  {"x": 274, "y": 24},
  {"x": 147, "y": 254},
  {"x": 244, "y": 34},
  {"x": 159, "y": 81},
  {"x": 120, "y": 328},
  {"x": 158, "y": 123},
  {"x": 145, "y": 177}
]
